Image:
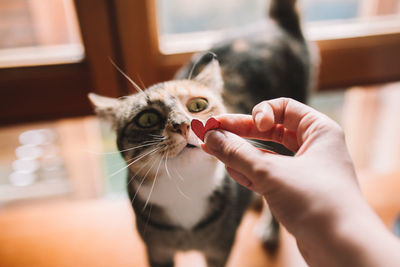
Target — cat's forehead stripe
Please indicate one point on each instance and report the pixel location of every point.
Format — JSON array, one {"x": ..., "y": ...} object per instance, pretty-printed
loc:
[{"x": 177, "y": 88}]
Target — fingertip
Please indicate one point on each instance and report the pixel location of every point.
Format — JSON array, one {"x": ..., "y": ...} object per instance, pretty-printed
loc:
[
  {"x": 258, "y": 121},
  {"x": 263, "y": 122},
  {"x": 213, "y": 139},
  {"x": 263, "y": 116}
]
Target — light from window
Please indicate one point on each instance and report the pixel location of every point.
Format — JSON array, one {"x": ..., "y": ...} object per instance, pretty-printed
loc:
[{"x": 37, "y": 32}]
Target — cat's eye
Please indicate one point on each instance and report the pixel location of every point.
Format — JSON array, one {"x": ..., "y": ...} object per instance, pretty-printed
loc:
[
  {"x": 197, "y": 105},
  {"x": 148, "y": 119}
]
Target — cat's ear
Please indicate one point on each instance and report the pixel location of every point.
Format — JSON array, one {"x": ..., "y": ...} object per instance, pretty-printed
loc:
[
  {"x": 211, "y": 76},
  {"x": 105, "y": 107}
]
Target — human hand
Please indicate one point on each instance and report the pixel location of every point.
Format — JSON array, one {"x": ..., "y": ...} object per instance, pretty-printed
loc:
[
  {"x": 314, "y": 194},
  {"x": 295, "y": 187}
]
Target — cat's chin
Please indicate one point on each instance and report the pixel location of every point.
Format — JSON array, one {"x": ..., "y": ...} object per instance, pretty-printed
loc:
[{"x": 190, "y": 154}]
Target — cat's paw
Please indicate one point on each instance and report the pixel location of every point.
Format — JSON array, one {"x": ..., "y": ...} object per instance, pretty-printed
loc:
[{"x": 269, "y": 237}]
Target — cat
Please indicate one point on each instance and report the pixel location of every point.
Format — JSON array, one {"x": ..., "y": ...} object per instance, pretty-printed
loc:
[{"x": 182, "y": 197}]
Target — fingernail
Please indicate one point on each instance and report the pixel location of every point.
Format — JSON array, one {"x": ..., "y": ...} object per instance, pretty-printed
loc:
[
  {"x": 213, "y": 140},
  {"x": 258, "y": 118}
]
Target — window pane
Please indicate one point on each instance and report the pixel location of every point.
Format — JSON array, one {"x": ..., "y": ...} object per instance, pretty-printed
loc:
[
  {"x": 36, "y": 32},
  {"x": 204, "y": 19},
  {"x": 180, "y": 16},
  {"x": 317, "y": 10}
]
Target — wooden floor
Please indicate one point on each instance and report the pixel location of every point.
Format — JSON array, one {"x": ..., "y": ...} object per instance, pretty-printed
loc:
[{"x": 101, "y": 232}]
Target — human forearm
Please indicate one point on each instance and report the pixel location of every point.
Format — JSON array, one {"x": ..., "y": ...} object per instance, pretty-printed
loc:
[{"x": 357, "y": 240}]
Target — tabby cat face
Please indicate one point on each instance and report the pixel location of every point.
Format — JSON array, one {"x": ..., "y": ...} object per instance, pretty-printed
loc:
[{"x": 154, "y": 125}]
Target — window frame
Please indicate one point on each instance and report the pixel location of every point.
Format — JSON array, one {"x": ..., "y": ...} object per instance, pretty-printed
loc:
[{"x": 48, "y": 92}]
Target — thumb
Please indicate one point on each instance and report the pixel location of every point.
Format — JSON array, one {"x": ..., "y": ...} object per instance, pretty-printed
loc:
[{"x": 238, "y": 155}]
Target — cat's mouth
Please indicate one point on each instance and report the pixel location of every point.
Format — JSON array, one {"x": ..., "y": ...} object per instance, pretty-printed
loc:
[
  {"x": 190, "y": 146},
  {"x": 187, "y": 147}
]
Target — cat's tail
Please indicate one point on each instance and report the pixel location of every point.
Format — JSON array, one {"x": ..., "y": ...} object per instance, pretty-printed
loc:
[{"x": 285, "y": 13}]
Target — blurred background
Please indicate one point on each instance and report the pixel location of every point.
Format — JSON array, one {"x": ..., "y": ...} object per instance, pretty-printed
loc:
[{"x": 62, "y": 187}]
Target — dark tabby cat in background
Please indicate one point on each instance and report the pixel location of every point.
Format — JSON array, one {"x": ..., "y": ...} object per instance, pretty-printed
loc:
[{"x": 182, "y": 197}]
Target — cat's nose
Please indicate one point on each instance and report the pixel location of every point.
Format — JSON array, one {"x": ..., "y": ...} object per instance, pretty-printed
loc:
[{"x": 182, "y": 128}]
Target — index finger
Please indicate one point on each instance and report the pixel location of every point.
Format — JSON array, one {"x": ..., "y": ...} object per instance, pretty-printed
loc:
[
  {"x": 244, "y": 126},
  {"x": 281, "y": 120}
]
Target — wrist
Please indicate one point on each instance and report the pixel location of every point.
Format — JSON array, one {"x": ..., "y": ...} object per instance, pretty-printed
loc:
[{"x": 356, "y": 239}]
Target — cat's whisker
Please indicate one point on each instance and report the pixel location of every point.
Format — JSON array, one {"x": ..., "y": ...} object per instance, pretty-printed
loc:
[
  {"x": 142, "y": 181},
  {"x": 180, "y": 191},
  {"x": 137, "y": 159},
  {"x": 166, "y": 166},
  {"x": 136, "y": 173},
  {"x": 159, "y": 140},
  {"x": 141, "y": 81},
  {"x": 141, "y": 154},
  {"x": 152, "y": 186},
  {"x": 179, "y": 175},
  {"x": 147, "y": 143},
  {"x": 157, "y": 136},
  {"x": 127, "y": 77},
  {"x": 176, "y": 184},
  {"x": 148, "y": 219},
  {"x": 122, "y": 163}
]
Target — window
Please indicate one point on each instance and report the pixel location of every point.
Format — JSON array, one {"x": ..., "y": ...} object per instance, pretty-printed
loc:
[{"x": 39, "y": 32}]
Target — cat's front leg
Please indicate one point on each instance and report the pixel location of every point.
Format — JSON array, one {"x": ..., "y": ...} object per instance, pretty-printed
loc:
[
  {"x": 267, "y": 230},
  {"x": 160, "y": 257},
  {"x": 217, "y": 257}
]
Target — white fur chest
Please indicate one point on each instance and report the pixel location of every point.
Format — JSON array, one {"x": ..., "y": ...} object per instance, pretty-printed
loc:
[{"x": 184, "y": 189}]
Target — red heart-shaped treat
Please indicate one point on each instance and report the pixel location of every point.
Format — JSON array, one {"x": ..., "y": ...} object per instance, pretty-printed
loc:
[{"x": 200, "y": 130}]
